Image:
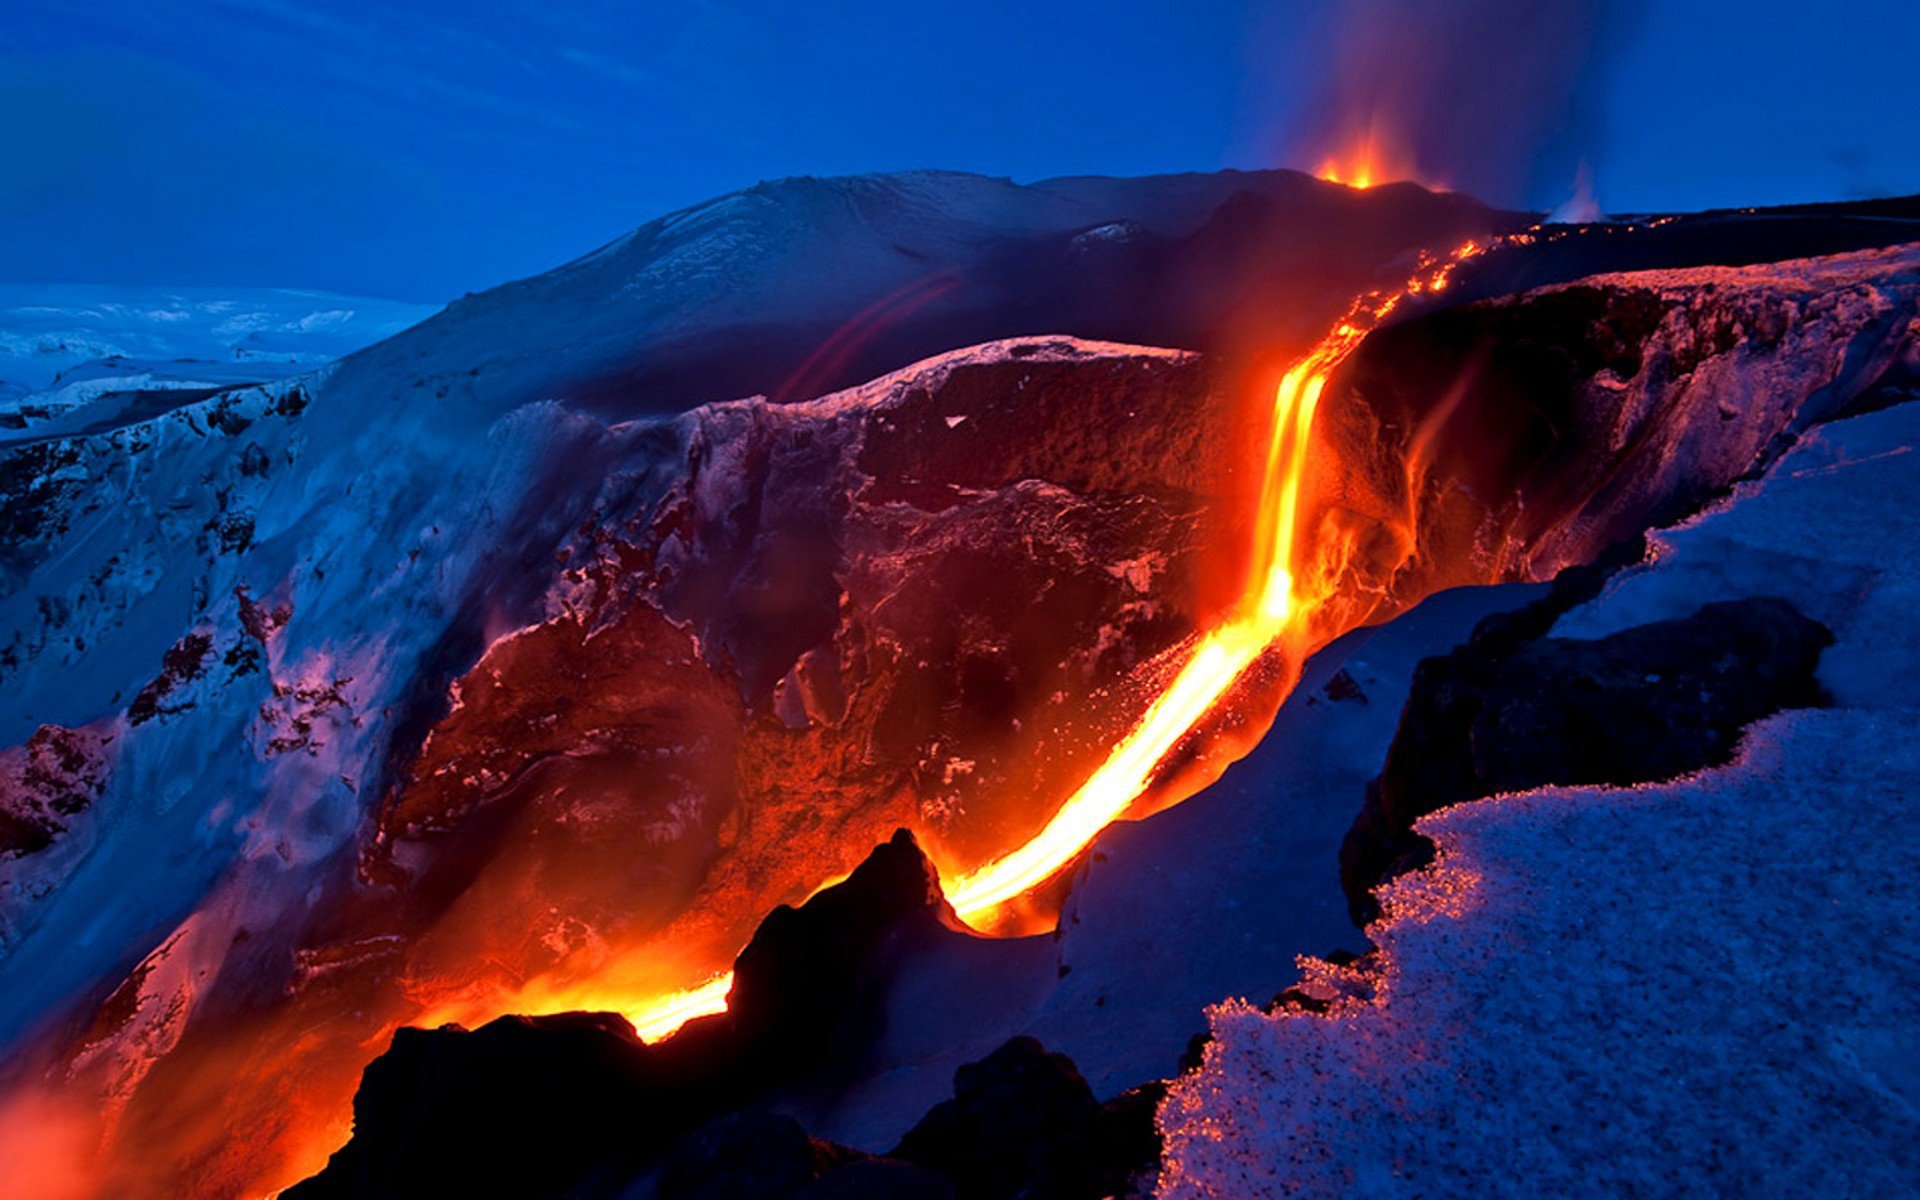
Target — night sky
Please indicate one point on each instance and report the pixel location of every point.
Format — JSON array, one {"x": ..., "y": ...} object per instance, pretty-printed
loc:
[{"x": 422, "y": 150}]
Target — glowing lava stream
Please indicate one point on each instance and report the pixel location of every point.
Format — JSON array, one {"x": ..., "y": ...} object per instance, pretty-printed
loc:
[{"x": 1270, "y": 603}]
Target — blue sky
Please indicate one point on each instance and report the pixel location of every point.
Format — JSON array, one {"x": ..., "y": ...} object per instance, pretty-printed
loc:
[{"x": 418, "y": 150}]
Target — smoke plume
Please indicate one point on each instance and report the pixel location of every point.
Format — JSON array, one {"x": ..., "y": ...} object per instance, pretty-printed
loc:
[{"x": 1499, "y": 98}]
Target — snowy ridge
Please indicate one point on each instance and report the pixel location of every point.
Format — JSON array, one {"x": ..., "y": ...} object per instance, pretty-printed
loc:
[{"x": 1657, "y": 991}]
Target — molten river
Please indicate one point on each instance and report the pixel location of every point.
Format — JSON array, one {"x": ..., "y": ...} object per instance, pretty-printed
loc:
[{"x": 1273, "y": 597}]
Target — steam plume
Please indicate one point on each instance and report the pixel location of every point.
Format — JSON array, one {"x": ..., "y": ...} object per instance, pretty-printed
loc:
[{"x": 1500, "y": 98}]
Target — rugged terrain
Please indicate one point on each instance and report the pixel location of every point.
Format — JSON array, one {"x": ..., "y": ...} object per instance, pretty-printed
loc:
[
  {"x": 516, "y": 665},
  {"x": 1697, "y": 986}
]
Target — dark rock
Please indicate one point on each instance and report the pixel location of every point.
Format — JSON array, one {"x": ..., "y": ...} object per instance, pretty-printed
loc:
[
  {"x": 56, "y": 776},
  {"x": 544, "y": 1106},
  {"x": 1647, "y": 703},
  {"x": 1513, "y": 710},
  {"x": 184, "y": 662},
  {"x": 797, "y": 980},
  {"x": 1343, "y": 686},
  {"x": 522, "y": 1107},
  {"x": 1022, "y": 1122},
  {"x": 879, "y": 1179},
  {"x": 749, "y": 1155},
  {"x": 1196, "y": 1052},
  {"x": 1297, "y": 1000},
  {"x": 1129, "y": 1140}
]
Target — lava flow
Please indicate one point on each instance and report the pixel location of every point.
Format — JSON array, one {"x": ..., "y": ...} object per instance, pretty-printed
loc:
[{"x": 1271, "y": 600}]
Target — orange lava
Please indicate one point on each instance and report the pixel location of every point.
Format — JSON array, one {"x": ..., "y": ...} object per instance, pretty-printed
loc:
[
  {"x": 1368, "y": 161},
  {"x": 1275, "y": 595}
]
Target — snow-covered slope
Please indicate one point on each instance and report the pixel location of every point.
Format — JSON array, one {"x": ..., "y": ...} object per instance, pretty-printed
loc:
[
  {"x": 798, "y": 287},
  {"x": 1698, "y": 988},
  {"x": 55, "y": 335}
]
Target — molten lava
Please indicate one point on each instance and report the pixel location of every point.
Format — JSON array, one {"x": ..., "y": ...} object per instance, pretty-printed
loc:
[
  {"x": 1270, "y": 603},
  {"x": 1368, "y": 160}
]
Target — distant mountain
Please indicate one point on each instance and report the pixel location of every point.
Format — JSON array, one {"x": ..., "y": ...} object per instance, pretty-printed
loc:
[{"x": 75, "y": 336}]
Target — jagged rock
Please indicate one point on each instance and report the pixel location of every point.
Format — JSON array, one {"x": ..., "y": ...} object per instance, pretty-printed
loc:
[
  {"x": 798, "y": 978},
  {"x": 1022, "y": 1122},
  {"x": 1344, "y": 687},
  {"x": 184, "y": 662},
  {"x": 538, "y": 1106},
  {"x": 577, "y": 1105},
  {"x": 1512, "y": 710},
  {"x": 48, "y": 782},
  {"x": 524, "y": 1107}
]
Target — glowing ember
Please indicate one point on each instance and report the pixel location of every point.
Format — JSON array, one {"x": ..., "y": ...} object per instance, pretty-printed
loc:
[{"x": 1268, "y": 605}]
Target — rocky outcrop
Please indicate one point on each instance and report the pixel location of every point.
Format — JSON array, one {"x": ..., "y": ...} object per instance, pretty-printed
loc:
[
  {"x": 1512, "y": 438},
  {"x": 48, "y": 782},
  {"x": 903, "y": 605},
  {"x": 524, "y": 1106},
  {"x": 1511, "y": 710},
  {"x": 1022, "y": 1122},
  {"x": 800, "y": 973},
  {"x": 538, "y": 1106},
  {"x": 577, "y": 1105}
]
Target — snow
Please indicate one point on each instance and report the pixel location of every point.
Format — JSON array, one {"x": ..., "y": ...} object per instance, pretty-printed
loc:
[
  {"x": 1699, "y": 988},
  {"x": 184, "y": 335},
  {"x": 1215, "y": 896},
  {"x": 788, "y": 259}
]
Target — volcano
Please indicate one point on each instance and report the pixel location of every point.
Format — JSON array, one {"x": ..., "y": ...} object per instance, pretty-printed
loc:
[{"x": 918, "y": 684}]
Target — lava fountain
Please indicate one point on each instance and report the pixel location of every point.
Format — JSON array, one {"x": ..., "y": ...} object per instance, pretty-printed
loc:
[{"x": 1368, "y": 161}]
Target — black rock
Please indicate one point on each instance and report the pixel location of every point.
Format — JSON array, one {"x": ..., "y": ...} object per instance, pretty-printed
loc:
[
  {"x": 1647, "y": 703},
  {"x": 521, "y": 1107},
  {"x": 1022, "y": 1122},
  {"x": 749, "y": 1155},
  {"x": 536, "y": 1107},
  {"x": 797, "y": 981},
  {"x": 1512, "y": 710},
  {"x": 1129, "y": 1141},
  {"x": 879, "y": 1179},
  {"x": 1343, "y": 686}
]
